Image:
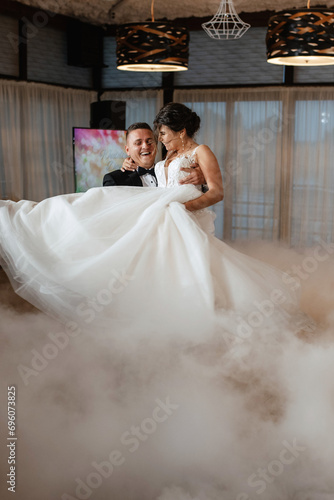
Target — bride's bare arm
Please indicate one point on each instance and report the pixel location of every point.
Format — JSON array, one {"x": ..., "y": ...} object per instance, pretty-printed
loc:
[{"x": 210, "y": 168}]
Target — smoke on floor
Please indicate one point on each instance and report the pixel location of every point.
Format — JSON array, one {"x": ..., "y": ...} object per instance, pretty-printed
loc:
[{"x": 157, "y": 419}]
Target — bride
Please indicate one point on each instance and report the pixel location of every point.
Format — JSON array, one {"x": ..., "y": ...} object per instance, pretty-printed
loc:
[
  {"x": 134, "y": 261},
  {"x": 177, "y": 126}
]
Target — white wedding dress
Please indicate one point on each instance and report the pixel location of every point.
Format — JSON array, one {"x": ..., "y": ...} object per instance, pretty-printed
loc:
[{"x": 128, "y": 260}]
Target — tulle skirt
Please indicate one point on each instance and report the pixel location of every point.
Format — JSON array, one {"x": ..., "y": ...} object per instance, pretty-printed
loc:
[{"x": 130, "y": 261}]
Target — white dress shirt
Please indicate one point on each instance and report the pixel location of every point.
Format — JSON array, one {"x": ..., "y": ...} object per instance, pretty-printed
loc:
[{"x": 149, "y": 180}]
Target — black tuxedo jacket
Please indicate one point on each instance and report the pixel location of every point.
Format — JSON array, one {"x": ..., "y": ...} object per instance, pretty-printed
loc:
[{"x": 120, "y": 178}]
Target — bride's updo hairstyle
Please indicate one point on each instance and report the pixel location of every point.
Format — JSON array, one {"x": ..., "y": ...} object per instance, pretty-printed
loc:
[{"x": 177, "y": 116}]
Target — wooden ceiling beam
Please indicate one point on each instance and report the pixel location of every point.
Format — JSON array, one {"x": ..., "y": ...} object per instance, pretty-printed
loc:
[{"x": 255, "y": 19}]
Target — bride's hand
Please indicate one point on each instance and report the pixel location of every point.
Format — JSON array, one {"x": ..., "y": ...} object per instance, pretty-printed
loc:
[{"x": 128, "y": 164}]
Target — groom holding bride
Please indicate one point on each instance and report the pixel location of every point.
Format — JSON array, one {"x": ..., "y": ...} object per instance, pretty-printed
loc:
[
  {"x": 138, "y": 168},
  {"x": 57, "y": 252}
]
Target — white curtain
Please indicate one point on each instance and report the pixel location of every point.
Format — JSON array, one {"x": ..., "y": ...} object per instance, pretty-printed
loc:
[
  {"x": 36, "y": 120},
  {"x": 310, "y": 153},
  {"x": 274, "y": 145},
  {"x": 276, "y": 152},
  {"x": 36, "y": 123}
]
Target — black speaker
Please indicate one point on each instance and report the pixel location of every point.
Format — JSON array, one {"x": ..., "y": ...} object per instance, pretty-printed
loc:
[
  {"x": 84, "y": 45},
  {"x": 108, "y": 115}
]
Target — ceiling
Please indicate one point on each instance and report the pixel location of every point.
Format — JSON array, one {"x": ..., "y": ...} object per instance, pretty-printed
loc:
[{"x": 123, "y": 11}]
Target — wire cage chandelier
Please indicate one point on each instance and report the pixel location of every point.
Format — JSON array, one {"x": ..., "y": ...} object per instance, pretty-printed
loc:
[{"x": 226, "y": 24}]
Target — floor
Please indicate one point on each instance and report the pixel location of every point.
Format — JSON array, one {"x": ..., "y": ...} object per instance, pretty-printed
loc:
[{"x": 9, "y": 298}]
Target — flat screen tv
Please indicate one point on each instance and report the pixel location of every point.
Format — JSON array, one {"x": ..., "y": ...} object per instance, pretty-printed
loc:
[{"x": 96, "y": 152}]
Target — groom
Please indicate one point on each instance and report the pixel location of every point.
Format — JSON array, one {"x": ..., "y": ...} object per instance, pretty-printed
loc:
[{"x": 138, "y": 169}]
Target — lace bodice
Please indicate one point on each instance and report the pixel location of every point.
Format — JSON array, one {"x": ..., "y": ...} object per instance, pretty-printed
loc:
[{"x": 174, "y": 173}]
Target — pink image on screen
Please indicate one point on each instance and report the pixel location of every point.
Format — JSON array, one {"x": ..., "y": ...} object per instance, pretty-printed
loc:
[{"x": 96, "y": 152}]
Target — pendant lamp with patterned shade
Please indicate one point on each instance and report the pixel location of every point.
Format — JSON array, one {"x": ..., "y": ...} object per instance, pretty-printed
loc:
[
  {"x": 301, "y": 37},
  {"x": 152, "y": 46}
]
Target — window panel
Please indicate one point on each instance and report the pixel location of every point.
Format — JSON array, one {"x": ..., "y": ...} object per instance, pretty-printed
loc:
[{"x": 276, "y": 150}]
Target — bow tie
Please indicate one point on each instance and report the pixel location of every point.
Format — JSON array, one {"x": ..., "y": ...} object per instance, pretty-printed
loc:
[{"x": 143, "y": 171}]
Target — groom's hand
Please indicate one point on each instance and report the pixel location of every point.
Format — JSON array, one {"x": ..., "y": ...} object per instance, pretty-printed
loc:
[
  {"x": 195, "y": 175},
  {"x": 128, "y": 164}
]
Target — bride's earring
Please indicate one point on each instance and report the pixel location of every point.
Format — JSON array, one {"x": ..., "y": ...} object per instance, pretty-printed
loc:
[{"x": 182, "y": 142}]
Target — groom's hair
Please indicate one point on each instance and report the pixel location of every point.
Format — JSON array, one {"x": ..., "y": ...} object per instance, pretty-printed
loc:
[{"x": 136, "y": 126}]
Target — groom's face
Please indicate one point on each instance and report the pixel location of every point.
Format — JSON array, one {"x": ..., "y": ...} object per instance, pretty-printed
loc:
[{"x": 141, "y": 147}]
